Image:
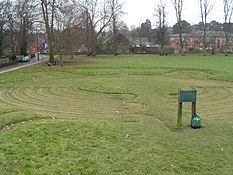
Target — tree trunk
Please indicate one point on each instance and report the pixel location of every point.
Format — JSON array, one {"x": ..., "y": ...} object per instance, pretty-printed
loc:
[
  {"x": 162, "y": 50},
  {"x": 60, "y": 54},
  {"x": 1, "y": 41},
  {"x": 51, "y": 48},
  {"x": 181, "y": 46},
  {"x": 226, "y": 46},
  {"x": 60, "y": 47},
  {"x": 93, "y": 49},
  {"x": 114, "y": 45},
  {"x": 93, "y": 43},
  {"x": 205, "y": 7},
  {"x": 181, "y": 50},
  {"x": 226, "y": 38},
  {"x": 178, "y": 4},
  {"x": 204, "y": 42},
  {"x": 140, "y": 44},
  {"x": 48, "y": 31}
]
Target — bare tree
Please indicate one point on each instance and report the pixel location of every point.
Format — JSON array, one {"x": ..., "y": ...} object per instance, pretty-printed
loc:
[
  {"x": 178, "y": 5},
  {"x": 116, "y": 10},
  {"x": 27, "y": 14},
  {"x": 228, "y": 10},
  {"x": 74, "y": 40},
  {"x": 161, "y": 15},
  {"x": 16, "y": 21},
  {"x": 206, "y": 7},
  {"x": 65, "y": 18},
  {"x": 10, "y": 28},
  {"x": 97, "y": 16},
  {"x": 3, "y": 6},
  {"x": 48, "y": 10}
]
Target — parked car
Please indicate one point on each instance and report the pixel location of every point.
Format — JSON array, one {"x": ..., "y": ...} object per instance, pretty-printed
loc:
[{"x": 25, "y": 59}]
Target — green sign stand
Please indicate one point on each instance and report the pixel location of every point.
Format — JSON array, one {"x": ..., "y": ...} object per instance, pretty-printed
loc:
[{"x": 186, "y": 96}]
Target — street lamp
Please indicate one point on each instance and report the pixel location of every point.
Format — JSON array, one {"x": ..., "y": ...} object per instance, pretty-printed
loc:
[
  {"x": 38, "y": 56},
  {"x": 37, "y": 43}
]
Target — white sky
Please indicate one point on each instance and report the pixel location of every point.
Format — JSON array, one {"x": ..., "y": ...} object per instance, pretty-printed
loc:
[{"x": 140, "y": 10}]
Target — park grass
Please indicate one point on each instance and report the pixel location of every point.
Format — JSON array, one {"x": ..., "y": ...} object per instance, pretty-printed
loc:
[{"x": 117, "y": 115}]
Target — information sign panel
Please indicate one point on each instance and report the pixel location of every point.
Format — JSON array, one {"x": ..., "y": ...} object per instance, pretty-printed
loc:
[{"x": 187, "y": 96}]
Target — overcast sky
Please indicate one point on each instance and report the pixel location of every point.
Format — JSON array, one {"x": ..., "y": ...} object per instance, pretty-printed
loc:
[{"x": 140, "y": 10}]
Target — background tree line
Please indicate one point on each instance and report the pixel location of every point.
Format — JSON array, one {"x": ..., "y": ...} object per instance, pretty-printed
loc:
[
  {"x": 69, "y": 25},
  {"x": 96, "y": 26}
]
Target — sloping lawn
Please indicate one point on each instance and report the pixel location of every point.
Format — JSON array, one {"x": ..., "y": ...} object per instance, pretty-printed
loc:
[{"x": 117, "y": 115}]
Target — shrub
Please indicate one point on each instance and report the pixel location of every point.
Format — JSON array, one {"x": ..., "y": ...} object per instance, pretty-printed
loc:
[{"x": 11, "y": 56}]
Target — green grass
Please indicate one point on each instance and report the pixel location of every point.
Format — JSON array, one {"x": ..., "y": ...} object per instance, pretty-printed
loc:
[{"x": 117, "y": 115}]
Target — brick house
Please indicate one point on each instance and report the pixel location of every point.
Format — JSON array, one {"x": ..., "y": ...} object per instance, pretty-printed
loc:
[{"x": 193, "y": 42}]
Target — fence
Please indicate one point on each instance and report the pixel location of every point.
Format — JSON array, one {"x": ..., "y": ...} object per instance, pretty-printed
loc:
[{"x": 8, "y": 61}]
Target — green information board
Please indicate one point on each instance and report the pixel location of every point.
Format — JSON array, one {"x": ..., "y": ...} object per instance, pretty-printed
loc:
[{"x": 187, "y": 96}]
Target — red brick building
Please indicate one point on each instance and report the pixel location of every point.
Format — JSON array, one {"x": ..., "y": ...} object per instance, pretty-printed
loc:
[{"x": 193, "y": 42}]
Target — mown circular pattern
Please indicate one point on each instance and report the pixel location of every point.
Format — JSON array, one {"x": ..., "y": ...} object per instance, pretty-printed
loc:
[
  {"x": 214, "y": 102},
  {"x": 73, "y": 98},
  {"x": 70, "y": 100}
]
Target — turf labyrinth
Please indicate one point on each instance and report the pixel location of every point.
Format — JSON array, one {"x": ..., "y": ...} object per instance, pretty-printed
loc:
[
  {"x": 70, "y": 100},
  {"x": 74, "y": 94},
  {"x": 214, "y": 101}
]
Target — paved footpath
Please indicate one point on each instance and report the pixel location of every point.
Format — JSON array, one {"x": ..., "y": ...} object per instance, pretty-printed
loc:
[{"x": 23, "y": 64}]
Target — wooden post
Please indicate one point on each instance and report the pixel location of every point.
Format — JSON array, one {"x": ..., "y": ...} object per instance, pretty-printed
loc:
[
  {"x": 194, "y": 111},
  {"x": 179, "y": 121}
]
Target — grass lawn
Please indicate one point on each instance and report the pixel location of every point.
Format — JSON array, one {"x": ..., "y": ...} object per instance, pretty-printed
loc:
[{"x": 117, "y": 115}]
